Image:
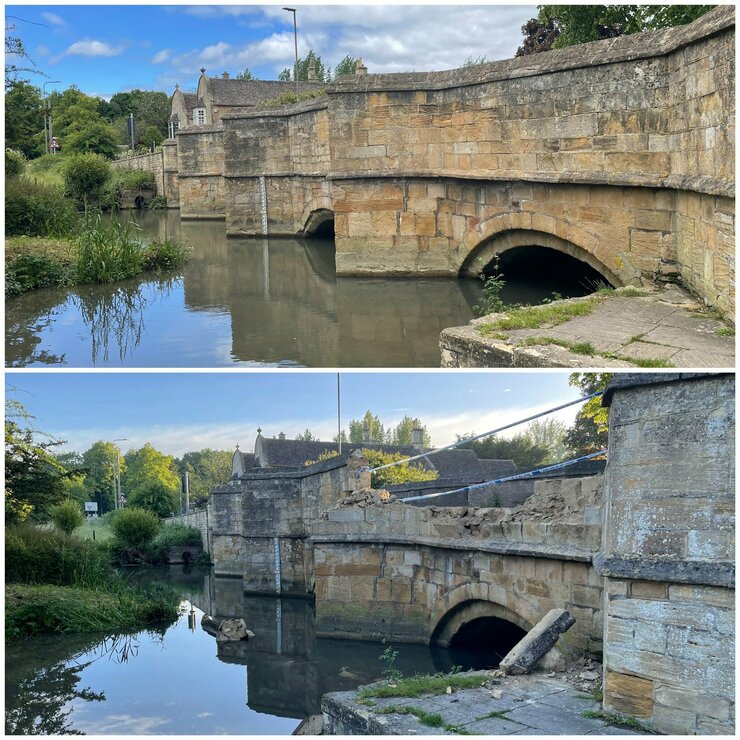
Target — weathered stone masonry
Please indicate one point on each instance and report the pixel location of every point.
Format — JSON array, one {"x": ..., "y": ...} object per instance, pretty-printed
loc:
[{"x": 618, "y": 152}]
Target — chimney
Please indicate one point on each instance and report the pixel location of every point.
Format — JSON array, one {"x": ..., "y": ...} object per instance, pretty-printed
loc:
[
  {"x": 365, "y": 433},
  {"x": 224, "y": 75},
  {"x": 360, "y": 68},
  {"x": 312, "y": 70},
  {"x": 203, "y": 71},
  {"x": 281, "y": 436},
  {"x": 417, "y": 435}
]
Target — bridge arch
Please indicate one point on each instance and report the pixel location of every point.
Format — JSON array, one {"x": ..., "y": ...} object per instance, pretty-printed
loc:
[
  {"x": 506, "y": 232},
  {"x": 318, "y": 221},
  {"x": 465, "y": 604}
]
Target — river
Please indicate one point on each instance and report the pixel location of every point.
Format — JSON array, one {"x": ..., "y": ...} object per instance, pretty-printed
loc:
[
  {"x": 175, "y": 679},
  {"x": 259, "y": 302}
]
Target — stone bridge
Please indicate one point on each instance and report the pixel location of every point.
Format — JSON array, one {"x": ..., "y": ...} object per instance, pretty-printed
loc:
[
  {"x": 618, "y": 153},
  {"x": 643, "y": 557}
]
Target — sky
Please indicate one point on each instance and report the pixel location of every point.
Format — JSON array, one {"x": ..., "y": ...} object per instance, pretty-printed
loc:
[
  {"x": 105, "y": 49},
  {"x": 179, "y": 412}
]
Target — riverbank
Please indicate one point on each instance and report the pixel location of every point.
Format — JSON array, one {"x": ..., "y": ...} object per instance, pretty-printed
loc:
[
  {"x": 537, "y": 704},
  {"x": 627, "y": 328},
  {"x": 33, "y": 262},
  {"x": 38, "y": 609}
]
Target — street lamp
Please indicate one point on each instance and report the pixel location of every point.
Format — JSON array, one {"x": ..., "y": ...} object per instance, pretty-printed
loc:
[
  {"x": 47, "y": 131},
  {"x": 295, "y": 41},
  {"x": 118, "y": 473}
]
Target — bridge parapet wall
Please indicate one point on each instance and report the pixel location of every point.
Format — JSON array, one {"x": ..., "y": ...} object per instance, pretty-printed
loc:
[
  {"x": 668, "y": 552},
  {"x": 152, "y": 162},
  {"x": 196, "y": 519},
  {"x": 200, "y": 157}
]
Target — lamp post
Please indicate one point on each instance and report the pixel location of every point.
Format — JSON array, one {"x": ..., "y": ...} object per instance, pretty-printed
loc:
[
  {"x": 118, "y": 473},
  {"x": 295, "y": 42},
  {"x": 47, "y": 129}
]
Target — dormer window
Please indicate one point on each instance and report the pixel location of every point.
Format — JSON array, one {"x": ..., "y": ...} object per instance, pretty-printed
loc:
[
  {"x": 199, "y": 116},
  {"x": 174, "y": 127}
]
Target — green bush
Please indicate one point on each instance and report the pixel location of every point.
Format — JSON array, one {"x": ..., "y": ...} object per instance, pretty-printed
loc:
[
  {"x": 31, "y": 271},
  {"x": 134, "y": 528},
  {"x": 15, "y": 163},
  {"x": 156, "y": 497},
  {"x": 134, "y": 179},
  {"x": 85, "y": 177},
  {"x": 178, "y": 534},
  {"x": 158, "y": 203},
  {"x": 38, "y": 210},
  {"x": 34, "y": 555},
  {"x": 165, "y": 255},
  {"x": 107, "y": 251},
  {"x": 67, "y": 516}
]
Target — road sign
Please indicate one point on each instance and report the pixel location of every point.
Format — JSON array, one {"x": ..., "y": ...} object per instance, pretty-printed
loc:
[
  {"x": 91, "y": 505},
  {"x": 54, "y": 144}
]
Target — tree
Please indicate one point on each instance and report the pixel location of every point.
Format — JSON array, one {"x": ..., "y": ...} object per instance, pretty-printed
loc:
[
  {"x": 85, "y": 176},
  {"x": 567, "y": 25},
  {"x": 93, "y": 137},
  {"x": 590, "y": 432},
  {"x": 519, "y": 448},
  {"x": 147, "y": 466},
  {"x": 323, "y": 74},
  {"x": 345, "y": 67},
  {"x": 101, "y": 462},
  {"x": 152, "y": 134},
  {"x": 155, "y": 496},
  {"x": 34, "y": 478},
  {"x": 538, "y": 36},
  {"x": 367, "y": 429},
  {"x": 307, "y": 436},
  {"x": 134, "y": 528},
  {"x": 403, "y": 473},
  {"x": 17, "y": 58},
  {"x": 245, "y": 75},
  {"x": 15, "y": 163},
  {"x": 548, "y": 433},
  {"x": 67, "y": 516},
  {"x": 403, "y": 433},
  {"x": 206, "y": 469},
  {"x": 24, "y": 117}
]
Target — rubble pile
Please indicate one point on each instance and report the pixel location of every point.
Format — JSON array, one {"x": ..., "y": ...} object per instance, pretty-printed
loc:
[{"x": 367, "y": 497}]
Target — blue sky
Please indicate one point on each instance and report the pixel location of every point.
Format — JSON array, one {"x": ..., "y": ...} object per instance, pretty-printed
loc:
[
  {"x": 178, "y": 412},
  {"x": 108, "y": 49}
]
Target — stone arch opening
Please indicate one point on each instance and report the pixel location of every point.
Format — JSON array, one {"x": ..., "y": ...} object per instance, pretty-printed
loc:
[
  {"x": 139, "y": 202},
  {"x": 478, "y": 634},
  {"x": 535, "y": 265},
  {"x": 320, "y": 224}
]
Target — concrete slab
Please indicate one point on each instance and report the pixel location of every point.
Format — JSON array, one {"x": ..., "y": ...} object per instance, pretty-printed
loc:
[{"x": 626, "y": 330}]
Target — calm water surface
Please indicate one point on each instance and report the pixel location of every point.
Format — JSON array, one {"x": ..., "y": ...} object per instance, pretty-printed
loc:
[
  {"x": 177, "y": 680},
  {"x": 238, "y": 302}
]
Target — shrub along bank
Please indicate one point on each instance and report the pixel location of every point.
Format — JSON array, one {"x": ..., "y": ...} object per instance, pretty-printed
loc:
[{"x": 58, "y": 583}]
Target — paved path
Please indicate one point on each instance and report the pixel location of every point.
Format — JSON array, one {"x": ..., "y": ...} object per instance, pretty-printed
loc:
[
  {"x": 527, "y": 705},
  {"x": 666, "y": 326}
]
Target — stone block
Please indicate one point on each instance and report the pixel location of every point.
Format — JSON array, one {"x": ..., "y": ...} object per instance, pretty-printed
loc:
[
  {"x": 649, "y": 590},
  {"x": 699, "y": 704},
  {"x": 628, "y": 695}
]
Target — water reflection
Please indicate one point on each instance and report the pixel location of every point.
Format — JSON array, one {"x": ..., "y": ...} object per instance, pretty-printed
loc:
[
  {"x": 179, "y": 680},
  {"x": 239, "y": 301}
]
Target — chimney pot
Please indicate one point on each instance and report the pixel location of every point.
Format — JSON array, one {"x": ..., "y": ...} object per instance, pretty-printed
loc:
[
  {"x": 224, "y": 75},
  {"x": 417, "y": 435},
  {"x": 281, "y": 436}
]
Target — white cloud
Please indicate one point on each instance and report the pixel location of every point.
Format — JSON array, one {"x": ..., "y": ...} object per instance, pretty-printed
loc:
[
  {"x": 42, "y": 51},
  {"x": 91, "y": 48},
  {"x": 434, "y": 37},
  {"x": 54, "y": 19},
  {"x": 161, "y": 56}
]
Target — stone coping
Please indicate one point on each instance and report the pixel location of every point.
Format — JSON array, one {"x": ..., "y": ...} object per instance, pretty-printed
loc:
[
  {"x": 695, "y": 572},
  {"x": 596, "y": 53},
  {"x": 632, "y": 380},
  {"x": 210, "y": 128},
  {"x": 292, "y": 109},
  {"x": 122, "y": 160},
  {"x": 580, "y": 555}
]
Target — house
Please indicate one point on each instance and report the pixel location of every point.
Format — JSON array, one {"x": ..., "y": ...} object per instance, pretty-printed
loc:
[{"x": 216, "y": 96}]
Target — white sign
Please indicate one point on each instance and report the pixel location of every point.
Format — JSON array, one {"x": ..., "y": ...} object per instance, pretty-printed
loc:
[
  {"x": 91, "y": 505},
  {"x": 54, "y": 143}
]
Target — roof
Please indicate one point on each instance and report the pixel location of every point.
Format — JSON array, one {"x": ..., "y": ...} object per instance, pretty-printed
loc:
[
  {"x": 233, "y": 92},
  {"x": 191, "y": 101},
  {"x": 494, "y": 469}
]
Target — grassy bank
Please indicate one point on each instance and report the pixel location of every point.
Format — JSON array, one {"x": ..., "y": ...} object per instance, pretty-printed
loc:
[
  {"x": 34, "y": 609},
  {"x": 101, "y": 253},
  {"x": 59, "y": 583}
]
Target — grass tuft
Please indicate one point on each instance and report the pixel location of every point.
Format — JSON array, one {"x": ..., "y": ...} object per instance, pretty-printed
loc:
[
  {"x": 534, "y": 317},
  {"x": 725, "y": 331},
  {"x": 416, "y": 686}
]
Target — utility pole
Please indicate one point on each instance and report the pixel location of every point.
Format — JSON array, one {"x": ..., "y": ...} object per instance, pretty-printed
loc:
[
  {"x": 295, "y": 42},
  {"x": 117, "y": 493},
  {"x": 131, "y": 129},
  {"x": 47, "y": 114},
  {"x": 339, "y": 415}
]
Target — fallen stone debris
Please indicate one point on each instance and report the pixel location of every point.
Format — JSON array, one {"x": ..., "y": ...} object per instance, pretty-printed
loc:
[{"x": 226, "y": 630}]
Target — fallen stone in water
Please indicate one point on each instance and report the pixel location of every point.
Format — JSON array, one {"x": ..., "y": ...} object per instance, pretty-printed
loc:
[{"x": 537, "y": 642}]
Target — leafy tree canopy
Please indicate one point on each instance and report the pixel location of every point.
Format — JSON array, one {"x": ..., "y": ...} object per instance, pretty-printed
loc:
[
  {"x": 147, "y": 466},
  {"x": 245, "y": 75},
  {"x": 404, "y": 473},
  {"x": 557, "y": 26},
  {"x": 155, "y": 496},
  {"x": 24, "y": 117},
  {"x": 345, "y": 67},
  {"x": 206, "y": 469},
  {"x": 101, "y": 461},
  {"x": 520, "y": 448},
  {"x": 549, "y": 433},
  {"x": 589, "y": 433},
  {"x": 34, "y": 478}
]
